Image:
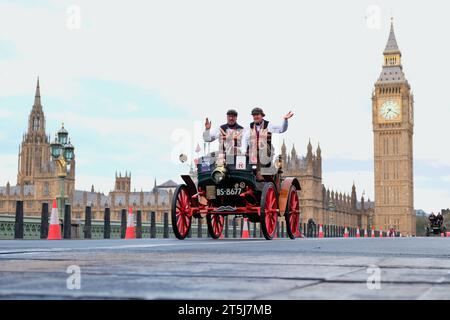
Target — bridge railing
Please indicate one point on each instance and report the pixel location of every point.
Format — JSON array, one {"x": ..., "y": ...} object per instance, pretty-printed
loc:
[{"x": 19, "y": 227}]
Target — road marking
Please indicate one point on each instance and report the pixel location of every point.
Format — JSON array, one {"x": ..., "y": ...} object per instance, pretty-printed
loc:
[
  {"x": 129, "y": 246},
  {"x": 171, "y": 244}
]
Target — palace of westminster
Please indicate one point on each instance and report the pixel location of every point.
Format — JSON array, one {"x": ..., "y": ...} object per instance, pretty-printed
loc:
[{"x": 392, "y": 118}]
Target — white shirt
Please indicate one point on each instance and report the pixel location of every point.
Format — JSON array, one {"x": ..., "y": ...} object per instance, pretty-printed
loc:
[
  {"x": 270, "y": 128},
  {"x": 210, "y": 135}
]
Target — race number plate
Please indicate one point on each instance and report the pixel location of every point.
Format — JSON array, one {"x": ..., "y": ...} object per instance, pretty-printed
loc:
[
  {"x": 240, "y": 162},
  {"x": 229, "y": 191}
]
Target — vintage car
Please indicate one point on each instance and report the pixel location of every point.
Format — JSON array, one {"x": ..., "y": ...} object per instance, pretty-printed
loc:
[
  {"x": 436, "y": 227},
  {"x": 229, "y": 187}
]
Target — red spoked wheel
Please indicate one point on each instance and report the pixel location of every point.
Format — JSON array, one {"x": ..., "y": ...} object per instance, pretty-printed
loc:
[
  {"x": 292, "y": 213},
  {"x": 215, "y": 224},
  {"x": 269, "y": 210},
  {"x": 181, "y": 212}
]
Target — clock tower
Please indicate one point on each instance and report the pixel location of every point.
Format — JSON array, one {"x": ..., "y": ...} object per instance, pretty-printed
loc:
[{"x": 393, "y": 123}]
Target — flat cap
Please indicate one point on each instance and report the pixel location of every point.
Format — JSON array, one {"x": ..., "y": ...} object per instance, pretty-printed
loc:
[
  {"x": 232, "y": 112},
  {"x": 258, "y": 111}
]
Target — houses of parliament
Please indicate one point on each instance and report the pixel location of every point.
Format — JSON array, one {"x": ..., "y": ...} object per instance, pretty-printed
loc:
[{"x": 392, "y": 119}]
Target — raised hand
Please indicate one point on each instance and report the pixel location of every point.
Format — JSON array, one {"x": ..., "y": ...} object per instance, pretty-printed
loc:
[
  {"x": 288, "y": 115},
  {"x": 207, "y": 124}
]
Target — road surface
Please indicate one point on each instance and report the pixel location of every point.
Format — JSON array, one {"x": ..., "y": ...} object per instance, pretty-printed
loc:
[{"x": 330, "y": 268}]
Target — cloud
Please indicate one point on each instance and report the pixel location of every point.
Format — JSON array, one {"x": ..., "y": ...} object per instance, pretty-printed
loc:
[
  {"x": 342, "y": 181},
  {"x": 8, "y": 168},
  {"x": 5, "y": 113}
]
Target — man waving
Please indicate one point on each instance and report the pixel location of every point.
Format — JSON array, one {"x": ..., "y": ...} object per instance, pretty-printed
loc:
[
  {"x": 257, "y": 141},
  {"x": 229, "y": 134}
]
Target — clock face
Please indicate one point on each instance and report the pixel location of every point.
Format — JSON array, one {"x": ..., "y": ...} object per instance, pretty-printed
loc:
[{"x": 390, "y": 110}]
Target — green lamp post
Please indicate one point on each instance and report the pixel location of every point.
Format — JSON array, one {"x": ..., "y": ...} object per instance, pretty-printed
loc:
[{"x": 62, "y": 152}]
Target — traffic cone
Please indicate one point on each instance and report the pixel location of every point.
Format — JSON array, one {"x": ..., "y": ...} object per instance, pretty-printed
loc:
[
  {"x": 381, "y": 233},
  {"x": 357, "y": 233},
  {"x": 320, "y": 231},
  {"x": 365, "y": 233},
  {"x": 131, "y": 228},
  {"x": 245, "y": 232},
  {"x": 373, "y": 233},
  {"x": 54, "y": 230},
  {"x": 345, "y": 232}
]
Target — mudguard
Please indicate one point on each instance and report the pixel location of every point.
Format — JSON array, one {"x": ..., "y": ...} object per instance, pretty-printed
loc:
[
  {"x": 284, "y": 192},
  {"x": 192, "y": 188}
]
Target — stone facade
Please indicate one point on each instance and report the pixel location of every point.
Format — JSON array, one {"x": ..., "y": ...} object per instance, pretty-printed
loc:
[
  {"x": 393, "y": 124},
  {"x": 323, "y": 205}
]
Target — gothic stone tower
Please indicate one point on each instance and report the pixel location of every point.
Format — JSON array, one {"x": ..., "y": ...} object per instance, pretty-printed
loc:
[
  {"x": 392, "y": 118},
  {"x": 35, "y": 149},
  {"x": 309, "y": 170},
  {"x": 35, "y": 166}
]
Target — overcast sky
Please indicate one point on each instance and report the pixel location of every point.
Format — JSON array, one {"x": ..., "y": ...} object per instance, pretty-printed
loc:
[{"x": 134, "y": 80}]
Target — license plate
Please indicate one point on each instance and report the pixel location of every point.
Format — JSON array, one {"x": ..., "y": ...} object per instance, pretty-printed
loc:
[{"x": 228, "y": 191}]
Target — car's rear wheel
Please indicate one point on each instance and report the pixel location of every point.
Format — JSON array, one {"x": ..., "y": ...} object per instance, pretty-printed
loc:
[
  {"x": 181, "y": 212},
  {"x": 269, "y": 210},
  {"x": 215, "y": 224},
  {"x": 292, "y": 213}
]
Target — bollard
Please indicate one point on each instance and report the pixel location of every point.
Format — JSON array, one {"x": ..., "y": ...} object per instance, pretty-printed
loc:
[
  {"x": 153, "y": 224},
  {"x": 18, "y": 224},
  {"x": 138, "y": 224},
  {"x": 123, "y": 223},
  {"x": 242, "y": 227},
  {"x": 189, "y": 235},
  {"x": 67, "y": 222},
  {"x": 107, "y": 224},
  {"x": 199, "y": 228},
  {"x": 88, "y": 223},
  {"x": 166, "y": 225},
  {"x": 282, "y": 229},
  {"x": 44, "y": 221},
  {"x": 254, "y": 229},
  {"x": 234, "y": 227},
  {"x": 227, "y": 226},
  {"x": 278, "y": 229}
]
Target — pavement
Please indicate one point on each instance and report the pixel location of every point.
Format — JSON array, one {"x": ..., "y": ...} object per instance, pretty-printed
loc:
[{"x": 248, "y": 269}]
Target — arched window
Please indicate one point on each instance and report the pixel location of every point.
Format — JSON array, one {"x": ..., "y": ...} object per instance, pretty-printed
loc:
[{"x": 36, "y": 124}]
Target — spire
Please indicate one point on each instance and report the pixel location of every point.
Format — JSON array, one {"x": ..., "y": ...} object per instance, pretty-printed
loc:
[
  {"x": 37, "y": 95},
  {"x": 392, "y": 71},
  {"x": 309, "y": 154},
  {"x": 293, "y": 151},
  {"x": 318, "y": 151},
  {"x": 391, "y": 46},
  {"x": 283, "y": 148}
]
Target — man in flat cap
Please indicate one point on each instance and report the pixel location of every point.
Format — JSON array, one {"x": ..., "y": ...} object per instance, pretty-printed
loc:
[
  {"x": 257, "y": 141},
  {"x": 229, "y": 134}
]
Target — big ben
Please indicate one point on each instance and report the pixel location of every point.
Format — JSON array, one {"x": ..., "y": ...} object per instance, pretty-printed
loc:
[{"x": 393, "y": 124}]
